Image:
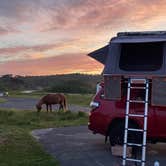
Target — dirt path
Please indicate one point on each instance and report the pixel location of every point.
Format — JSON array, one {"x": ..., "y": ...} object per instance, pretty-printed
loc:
[
  {"x": 29, "y": 104},
  {"x": 77, "y": 146}
]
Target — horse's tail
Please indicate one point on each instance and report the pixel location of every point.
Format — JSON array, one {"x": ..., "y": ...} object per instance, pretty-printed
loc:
[{"x": 65, "y": 104}]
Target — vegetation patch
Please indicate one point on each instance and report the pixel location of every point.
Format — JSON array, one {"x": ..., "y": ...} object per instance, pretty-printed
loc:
[
  {"x": 2, "y": 100},
  {"x": 18, "y": 147},
  {"x": 68, "y": 83},
  {"x": 79, "y": 99}
]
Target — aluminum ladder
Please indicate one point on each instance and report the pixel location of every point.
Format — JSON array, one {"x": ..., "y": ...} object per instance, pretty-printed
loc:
[{"x": 141, "y": 84}]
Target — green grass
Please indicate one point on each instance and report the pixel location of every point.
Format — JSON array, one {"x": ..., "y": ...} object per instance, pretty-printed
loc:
[
  {"x": 79, "y": 99},
  {"x": 2, "y": 100},
  {"x": 76, "y": 99},
  {"x": 18, "y": 147}
]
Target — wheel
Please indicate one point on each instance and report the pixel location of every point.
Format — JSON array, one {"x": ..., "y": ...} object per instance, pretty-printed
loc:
[{"x": 116, "y": 134}]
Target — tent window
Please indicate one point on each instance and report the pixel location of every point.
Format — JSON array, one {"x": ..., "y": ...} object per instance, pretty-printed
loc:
[{"x": 141, "y": 56}]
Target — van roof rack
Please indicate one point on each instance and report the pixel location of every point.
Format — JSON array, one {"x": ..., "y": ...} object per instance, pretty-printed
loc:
[{"x": 143, "y": 33}]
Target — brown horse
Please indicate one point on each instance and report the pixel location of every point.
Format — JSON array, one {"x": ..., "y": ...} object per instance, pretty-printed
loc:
[{"x": 48, "y": 100}]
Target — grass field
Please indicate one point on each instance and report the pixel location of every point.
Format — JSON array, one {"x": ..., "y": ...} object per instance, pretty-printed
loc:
[
  {"x": 79, "y": 99},
  {"x": 2, "y": 100},
  {"x": 18, "y": 147},
  {"x": 76, "y": 99}
]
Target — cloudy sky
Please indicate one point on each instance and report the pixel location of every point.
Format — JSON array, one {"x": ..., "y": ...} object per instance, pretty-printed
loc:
[{"x": 42, "y": 37}]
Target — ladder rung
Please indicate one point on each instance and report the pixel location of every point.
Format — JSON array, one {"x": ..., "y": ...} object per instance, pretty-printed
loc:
[
  {"x": 135, "y": 160},
  {"x": 137, "y": 101},
  {"x": 132, "y": 129},
  {"x": 136, "y": 115},
  {"x": 138, "y": 80},
  {"x": 136, "y": 87},
  {"x": 134, "y": 144}
]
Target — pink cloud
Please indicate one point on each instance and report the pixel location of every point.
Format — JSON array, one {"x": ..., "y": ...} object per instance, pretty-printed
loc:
[
  {"x": 13, "y": 50},
  {"x": 8, "y": 30},
  {"x": 55, "y": 65},
  {"x": 67, "y": 27}
]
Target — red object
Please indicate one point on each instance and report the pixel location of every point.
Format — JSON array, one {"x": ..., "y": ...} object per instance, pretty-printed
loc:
[{"x": 107, "y": 115}]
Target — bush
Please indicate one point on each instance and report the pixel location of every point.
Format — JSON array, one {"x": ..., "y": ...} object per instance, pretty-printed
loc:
[{"x": 72, "y": 86}]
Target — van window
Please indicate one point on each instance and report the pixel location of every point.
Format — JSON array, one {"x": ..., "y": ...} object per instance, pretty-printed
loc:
[{"x": 141, "y": 56}]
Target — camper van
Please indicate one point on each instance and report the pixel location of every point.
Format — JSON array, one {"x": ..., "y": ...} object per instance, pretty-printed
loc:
[
  {"x": 133, "y": 90},
  {"x": 107, "y": 117}
]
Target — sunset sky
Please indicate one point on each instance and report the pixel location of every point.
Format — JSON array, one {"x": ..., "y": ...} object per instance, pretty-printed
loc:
[{"x": 43, "y": 37}]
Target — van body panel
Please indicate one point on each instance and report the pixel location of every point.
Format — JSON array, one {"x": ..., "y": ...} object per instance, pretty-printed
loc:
[{"x": 101, "y": 118}]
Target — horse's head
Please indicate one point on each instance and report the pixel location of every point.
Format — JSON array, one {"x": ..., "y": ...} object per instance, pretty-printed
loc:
[{"x": 39, "y": 107}]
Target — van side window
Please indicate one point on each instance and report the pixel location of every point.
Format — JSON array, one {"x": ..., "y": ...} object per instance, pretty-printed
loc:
[{"x": 141, "y": 56}]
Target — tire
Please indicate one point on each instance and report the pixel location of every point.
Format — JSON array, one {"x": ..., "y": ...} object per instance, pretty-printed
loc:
[
  {"x": 116, "y": 137},
  {"x": 116, "y": 134}
]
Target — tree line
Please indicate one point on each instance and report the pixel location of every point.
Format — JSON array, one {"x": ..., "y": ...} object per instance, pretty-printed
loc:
[{"x": 67, "y": 83}]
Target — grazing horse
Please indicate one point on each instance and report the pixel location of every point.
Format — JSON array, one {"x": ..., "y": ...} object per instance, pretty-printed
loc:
[{"x": 54, "y": 98}]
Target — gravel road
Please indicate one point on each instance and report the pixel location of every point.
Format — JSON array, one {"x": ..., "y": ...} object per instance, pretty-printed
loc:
[
  {"x": 77, "y": 146},
  {"x": 29, "y": 104}
]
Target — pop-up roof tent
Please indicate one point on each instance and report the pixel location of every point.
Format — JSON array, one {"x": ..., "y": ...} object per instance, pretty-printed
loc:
[{"x": 134, "y": 54}]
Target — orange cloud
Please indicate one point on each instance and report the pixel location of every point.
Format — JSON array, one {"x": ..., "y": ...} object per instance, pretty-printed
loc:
[
  {"x": 13, "y": 50},
  {"x": 54, "y": 65},
  {"x": 37, "y": 56},
  {"x": 61, "y": 27}
]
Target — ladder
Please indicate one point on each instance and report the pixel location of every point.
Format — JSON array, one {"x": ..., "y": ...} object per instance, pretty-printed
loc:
[{"x": 141, "y": 84}]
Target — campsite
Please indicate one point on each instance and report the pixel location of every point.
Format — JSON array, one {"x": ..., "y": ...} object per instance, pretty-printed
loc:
[
  {"x": 17, "y": 124},
  {"x": 82, "y": 83},
  {"x": 22, "y": 126}
]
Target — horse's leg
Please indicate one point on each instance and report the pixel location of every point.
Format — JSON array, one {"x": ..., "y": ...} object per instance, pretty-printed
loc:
[
  {"x": 50, "y": 108},
  {"x": 59, "y": 107},
  {"x": 47, "y": 107},
  {"x": 64, "y": 106}
]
